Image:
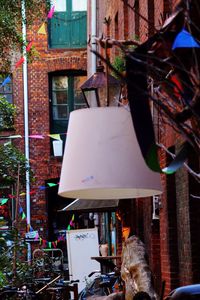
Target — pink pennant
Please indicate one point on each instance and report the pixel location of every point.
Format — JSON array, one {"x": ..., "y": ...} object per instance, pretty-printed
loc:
[
  {"x": 36, "y": 237},
  {"x": 19, "y": 62},
  {"x": 36, "y": 136},
  {"x": 71, "y": 223},
  {"x": 51, "y": 12},
  {"x": 29, "y": 46}
]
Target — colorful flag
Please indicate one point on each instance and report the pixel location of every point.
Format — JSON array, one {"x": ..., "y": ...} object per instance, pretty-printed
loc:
[
  {"x": 20, "y": 62},
  {"x": 36, "y": 136},
  {"x": 184, "y": 39},
  {"x": 29, "y": 46},
  {"x": 42, "y": 29},
  {"x": 55, "y": 136},
  {"x": 6, "y": 80},
  {"x": 51, "y": 12}
]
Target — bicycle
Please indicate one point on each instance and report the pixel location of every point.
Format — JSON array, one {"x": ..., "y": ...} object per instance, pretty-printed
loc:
[
  {"x": 13, "y": 293},
  {"x": 102, "y": 285}
]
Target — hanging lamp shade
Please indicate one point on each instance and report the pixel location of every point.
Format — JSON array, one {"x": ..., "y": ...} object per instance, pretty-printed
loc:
[{"x": 102, "y": 158}]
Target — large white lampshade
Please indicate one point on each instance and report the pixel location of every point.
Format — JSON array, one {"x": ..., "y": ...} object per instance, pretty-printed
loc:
[{"x": 102, "y": 158}]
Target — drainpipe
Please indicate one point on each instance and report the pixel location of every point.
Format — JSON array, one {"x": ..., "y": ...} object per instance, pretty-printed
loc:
[
  {"x": 93, "y": 34},
  {"x": 26, "y": 125}
]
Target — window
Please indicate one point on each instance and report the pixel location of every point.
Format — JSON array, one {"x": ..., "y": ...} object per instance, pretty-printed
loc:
[
  {"x": 79, "y": 5},
  {"x": 65, "y": 96},
  {"x": 68, "y": 27},
  {"x": 6, "y": 90}
]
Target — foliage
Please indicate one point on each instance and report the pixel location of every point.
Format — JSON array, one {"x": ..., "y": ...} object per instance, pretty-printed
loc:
[
  {"x": 10, "y": 26},
  {"x": 7, "y": 114},
  {"x": 119, "y": 63},
  {"x": 10, "y": 159},
  {"x": 9, "y": 243}
]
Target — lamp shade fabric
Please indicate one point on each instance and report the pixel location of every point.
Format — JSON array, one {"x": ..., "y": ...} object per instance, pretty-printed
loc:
[{"x": 102, "y": 158}]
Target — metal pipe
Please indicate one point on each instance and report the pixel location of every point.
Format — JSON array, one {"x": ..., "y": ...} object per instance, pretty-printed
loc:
[
  {"x": 93, "y": 34},
  {"x": 26, "y": 120}
]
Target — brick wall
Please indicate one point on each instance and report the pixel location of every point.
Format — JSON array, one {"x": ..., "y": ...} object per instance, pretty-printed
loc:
[{"x": 45, "y": 167}]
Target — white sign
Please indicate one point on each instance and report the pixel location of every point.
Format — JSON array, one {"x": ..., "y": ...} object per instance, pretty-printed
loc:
[{"x": 82, "y": 244}]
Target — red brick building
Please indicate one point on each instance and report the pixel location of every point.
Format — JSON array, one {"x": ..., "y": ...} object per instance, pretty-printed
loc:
[
  {"x": 54, "y": 76},
  {"x": 58, "y": 68},
  {"x": 170, "y": 236}
]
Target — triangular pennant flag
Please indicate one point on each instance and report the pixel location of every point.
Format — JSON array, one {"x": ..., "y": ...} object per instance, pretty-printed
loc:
[
  {"x": 54, "y": 244},
  {"x": 178, "y": 162},
  {"x": 72, "y": 224},
  {"x": 32, "y": 192},
  {"x": 51, "y": 184},
  {"x": 73, "y": 217},
  {"x": 20, "y": 62},
  {"x": 36, "y": 136},
  {"x": 31, "y": 228},
  {"x": 51, "y": 12},
  {"x": 68, "y": 227},
  {"x": 36, "y": 236},
  {"x": 6, "y": 80},
  {"x": 22, "y": 194},
  {"x": 50, "y": 245},
  {"x": 7, "y": 144},
  {"x": 42, "y": 29},
  {"x": 17, "y": 136},
  {"x": 20, "y": 210},
  {"x": 185, "y": 40},
  {"x": 29, "y": 46},
  {"x": 55, "y": 136},
  {"x": 3, "y": 201},
  {"x": 42, "y": 188},
  {"x": 23, "y": 216}
]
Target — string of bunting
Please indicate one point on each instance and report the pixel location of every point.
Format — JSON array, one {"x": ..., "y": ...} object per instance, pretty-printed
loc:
[
  {"x": 55, "y": 136},
  {"x": 41, "y": 30}
]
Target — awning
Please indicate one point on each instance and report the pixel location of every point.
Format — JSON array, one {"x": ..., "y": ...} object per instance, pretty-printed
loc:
[{"x": 84, "y": 205}]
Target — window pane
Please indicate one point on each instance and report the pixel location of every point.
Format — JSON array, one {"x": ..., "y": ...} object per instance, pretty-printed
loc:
[
  {"x": 59, "y": 97},
  {"x": 60, "y": 5},
  {"x": 79, "y": 5},
  {"x": 79, "y": 101},
  {"x": 60, "y": 112},
  {"x": 60, "y": 82},
  {"x": 6, "y": 90}
]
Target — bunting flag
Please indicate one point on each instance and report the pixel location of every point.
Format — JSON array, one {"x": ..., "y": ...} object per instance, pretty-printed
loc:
[
  {"x": 51, "y": 12},
  {"x": 55, "y": 136},
  {"x": 22, "y": 194},
  {"x": 36, "y": 136},
  {"x": 42, "y": 29},
  {"x": 29, "y": 46},
  {"x": 6, "y": 80},
  {"x": 3, "y": 201},
  {"x": 184, "y": 39},
  {"x": 17, "y": 136},
  {"x": 141, "y": 114},
  {"x": 51, "y": 184},
  {"x": 20, "y": 62}
]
